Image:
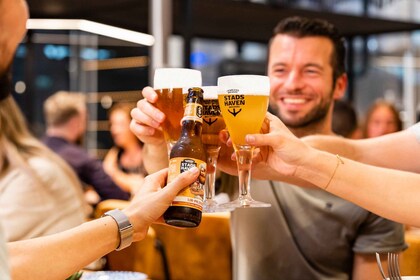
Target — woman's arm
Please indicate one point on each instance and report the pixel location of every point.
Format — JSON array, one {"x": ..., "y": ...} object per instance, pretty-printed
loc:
[
  {"x": 390, "y": 193},
  {"x": 397, "y": 150},
  {"x": 60, "y": 255}
]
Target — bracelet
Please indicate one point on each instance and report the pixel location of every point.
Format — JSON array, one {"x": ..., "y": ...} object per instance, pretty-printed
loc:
[
  {"x": 339, "y": 162},
  {"x": 125, "y": 229}
]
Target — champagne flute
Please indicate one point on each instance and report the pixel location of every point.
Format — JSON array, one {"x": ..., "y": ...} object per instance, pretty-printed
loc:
[
  {"x": 243, "y": 100},
  {"x": 213, "y": 123},
  {"x": 171, "y": 85}
]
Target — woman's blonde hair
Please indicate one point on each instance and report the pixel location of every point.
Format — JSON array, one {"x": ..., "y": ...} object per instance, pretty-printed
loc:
[{"x": 18, "y": 145}]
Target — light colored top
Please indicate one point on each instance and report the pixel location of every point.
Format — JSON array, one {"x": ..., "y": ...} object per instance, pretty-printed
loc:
[
  {"x": 29, "y": 209},
  {"x": 4, "y": 267},
  {"x": 305, "y": 234}
]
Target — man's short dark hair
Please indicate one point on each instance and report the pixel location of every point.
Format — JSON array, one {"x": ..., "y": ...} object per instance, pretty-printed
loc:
[{"x": 300, "y": 27}]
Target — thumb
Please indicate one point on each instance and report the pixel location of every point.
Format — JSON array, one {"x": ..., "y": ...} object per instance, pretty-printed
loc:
[{"x": 181, "y": 181}]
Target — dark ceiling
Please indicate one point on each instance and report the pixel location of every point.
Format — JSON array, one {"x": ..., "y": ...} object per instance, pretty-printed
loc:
[{"x": 224, "y": 19}]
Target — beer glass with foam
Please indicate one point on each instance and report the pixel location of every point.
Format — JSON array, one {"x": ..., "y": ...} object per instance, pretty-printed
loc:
[
  {"x": 171, "y": 85},
  {"x": 243, "y": 100}
]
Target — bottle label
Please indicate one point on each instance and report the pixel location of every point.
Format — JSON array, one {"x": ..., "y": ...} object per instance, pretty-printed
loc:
[
  {"x": 194, "y": 112},
  {"x": 191, "y": 196}
]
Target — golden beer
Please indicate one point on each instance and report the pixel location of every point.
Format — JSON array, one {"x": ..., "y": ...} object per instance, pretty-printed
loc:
[
  {"x": 243, "y": 100},
  {"x": 171, "y": 84},
  {"x": 171, "y": 102},
  {"x": 243, "y": 114}
]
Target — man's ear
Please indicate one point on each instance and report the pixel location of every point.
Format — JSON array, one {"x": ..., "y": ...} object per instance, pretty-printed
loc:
[{"x": 340, "y": 86}]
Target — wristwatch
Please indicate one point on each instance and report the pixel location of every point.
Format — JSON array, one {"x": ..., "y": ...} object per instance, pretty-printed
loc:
[{"x": 125, "y": 228}]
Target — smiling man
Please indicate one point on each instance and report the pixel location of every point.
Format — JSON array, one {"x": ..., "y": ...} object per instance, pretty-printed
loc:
[{"x": 307, "y": 233}]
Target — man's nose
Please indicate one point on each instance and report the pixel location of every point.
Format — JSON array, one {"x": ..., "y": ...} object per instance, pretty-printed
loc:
[{"x": 293, "y": 81}]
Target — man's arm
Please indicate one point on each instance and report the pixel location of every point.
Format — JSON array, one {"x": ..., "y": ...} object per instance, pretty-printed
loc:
[{"x": 146, "y": 125}]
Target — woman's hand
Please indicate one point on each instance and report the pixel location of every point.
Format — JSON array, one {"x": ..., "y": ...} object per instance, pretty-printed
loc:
[
  {"x": 279, "y": 149},
  {"x": 153, "y": 198}
]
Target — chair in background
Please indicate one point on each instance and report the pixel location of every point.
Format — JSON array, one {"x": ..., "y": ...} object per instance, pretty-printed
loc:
[
  {"x": 202, "y": 253},
  {"x": 410, "y": 259}
]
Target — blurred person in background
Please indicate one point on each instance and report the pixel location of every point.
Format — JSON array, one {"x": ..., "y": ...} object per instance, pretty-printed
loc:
[
  {"x": 39, "y": 192},
  {"x": 124, "y": 161},
  {"x": 381, "y": 118},
  {"x": 66, "y": 119},
  {"x": 344, "y": 120}
]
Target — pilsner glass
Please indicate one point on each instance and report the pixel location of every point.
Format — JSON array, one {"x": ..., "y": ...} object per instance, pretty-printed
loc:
[
  {"x": 171, "y": 85},
  {"x": 243, "y": 100},
  {"x": 213, "y": 123}
]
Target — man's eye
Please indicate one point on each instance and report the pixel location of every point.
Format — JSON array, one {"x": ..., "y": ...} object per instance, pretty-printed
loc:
[
  {"x": 312, "y": 71},
  {"x": 279, "y": 70}
]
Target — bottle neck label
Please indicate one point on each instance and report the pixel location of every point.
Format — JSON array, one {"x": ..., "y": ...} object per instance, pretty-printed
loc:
[
  {"x": 192, "y": 195},
  {"x": 193, "y": 112}
]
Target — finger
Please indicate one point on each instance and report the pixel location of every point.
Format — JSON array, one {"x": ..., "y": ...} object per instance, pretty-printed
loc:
[
  {"x": 141, "y": 130},
  {"x": 274, "y": 124},
  {"x": 181, "y": 181},
  {"x": 149, "y": 94},
  {"x": 147, "y": 113},
  {"x": 262, "y": 139},
  {"x": 224, "y": 137}
]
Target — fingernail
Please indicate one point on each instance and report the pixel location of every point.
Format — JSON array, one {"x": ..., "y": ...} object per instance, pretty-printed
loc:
[
  {"x": 160, "y": 116},
  {"x": 250, "y": 138},
  {"x": 150, "y": 131},
  {"x": 193, "y": 170}
]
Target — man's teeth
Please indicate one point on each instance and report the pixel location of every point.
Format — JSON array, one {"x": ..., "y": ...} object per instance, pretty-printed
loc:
[{"x": 294, "y": 100}]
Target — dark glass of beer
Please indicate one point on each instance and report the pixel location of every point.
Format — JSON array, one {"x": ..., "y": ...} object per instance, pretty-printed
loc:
[
  {"x": 213, "y": 123},
  {"x": 188, "y": 152},
  {"x": 171, "y": 84}
]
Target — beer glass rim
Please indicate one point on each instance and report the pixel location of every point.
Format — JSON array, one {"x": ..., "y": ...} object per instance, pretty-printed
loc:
[
  {"x": 176, "y": 78},
  {"x": 210, "y": 92},
  {"x": 244, "y": 84}
]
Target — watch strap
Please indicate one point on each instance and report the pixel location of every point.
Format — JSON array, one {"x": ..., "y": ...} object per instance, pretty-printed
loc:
[{"x": 125, "y": 229}]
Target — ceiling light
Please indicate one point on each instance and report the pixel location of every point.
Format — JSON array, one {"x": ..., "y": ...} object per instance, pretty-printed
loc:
[{"x": 92, "y": 27}]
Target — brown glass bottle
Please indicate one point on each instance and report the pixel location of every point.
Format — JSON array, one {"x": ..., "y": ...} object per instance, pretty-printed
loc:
[{"x": 186, "y": 208}]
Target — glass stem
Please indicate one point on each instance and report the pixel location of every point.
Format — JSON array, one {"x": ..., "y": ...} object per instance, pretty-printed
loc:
[
  {"x": 244, "y": 162},
  {"x": 212, "y": 156}
]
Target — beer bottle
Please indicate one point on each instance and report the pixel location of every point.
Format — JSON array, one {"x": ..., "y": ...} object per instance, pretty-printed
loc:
[{"x": 185, "y": 210}]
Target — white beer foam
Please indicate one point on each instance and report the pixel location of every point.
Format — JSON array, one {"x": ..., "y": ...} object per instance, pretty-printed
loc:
[
  {"x": 176, "y": 78},
  {"x": 244, "y": 84},
  {"x": 210, "y": 92}
]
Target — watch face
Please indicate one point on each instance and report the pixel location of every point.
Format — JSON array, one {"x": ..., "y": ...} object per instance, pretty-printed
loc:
[{"x": 113, "y": 275}]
